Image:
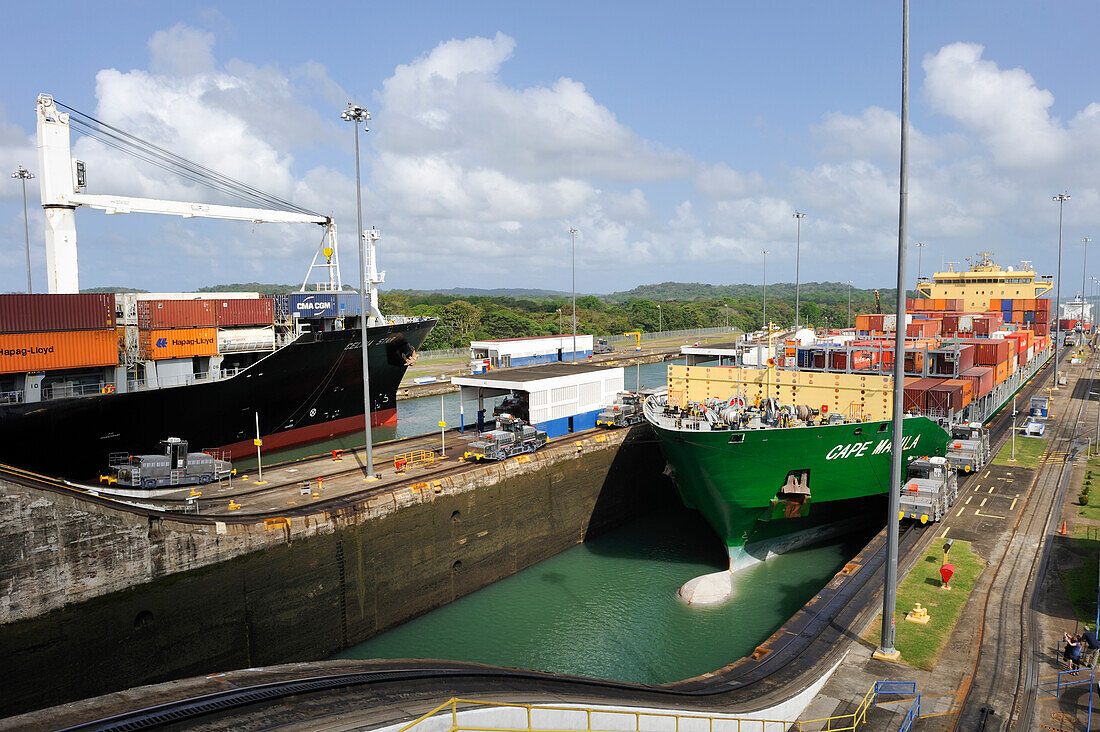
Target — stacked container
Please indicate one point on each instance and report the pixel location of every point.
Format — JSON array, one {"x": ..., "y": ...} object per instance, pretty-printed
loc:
[
  {"x": 52, "y": 332},
  {"x": 177, "y": 328},
  {"x": 245, "y": 325}
]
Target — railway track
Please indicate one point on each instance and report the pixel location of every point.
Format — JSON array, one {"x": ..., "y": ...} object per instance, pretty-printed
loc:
[{"x": 1009, "y": 597}]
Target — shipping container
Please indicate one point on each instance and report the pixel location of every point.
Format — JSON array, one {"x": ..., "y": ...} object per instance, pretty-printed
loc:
[
  {"x": 163, "y": 314},
  {"x": 981, "y": 380},
  {"x": 1042, "y": 305},
  {"x": 246, "y": 340},
  {"x": 1042, "y": 329},
  {"x": 21, "y": 352},
  {"x": 1001, "y": 371},
  {"x": 237, "y": 313},
  {"x": 179, "y": 343},
  {"x": 1006, "y": 305},
  {"x": 995, "y": 303},
  {"x": 46, "y": 313},
  {"x": 863, "y": 322},
  {"x": 1017, "y": 316},
  {"x": 914, "y": 399},
  {"x": 949, "y": 395},
  {"x": 324, "y": 304}
]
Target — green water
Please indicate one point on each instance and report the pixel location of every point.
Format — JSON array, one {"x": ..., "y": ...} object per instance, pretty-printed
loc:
[
  {"x": 421, "y": 416},
  {"x": 609, "y": 609}
]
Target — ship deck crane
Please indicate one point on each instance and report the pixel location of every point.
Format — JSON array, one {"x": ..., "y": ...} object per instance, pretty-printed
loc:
[{"x": 62, "y": 183}]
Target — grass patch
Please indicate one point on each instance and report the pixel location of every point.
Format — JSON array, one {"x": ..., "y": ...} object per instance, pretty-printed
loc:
[
  {"x": 921, "y": 645},
  {"x": 1029, "y": 450},
  {"x": 1080, "y": 584}
]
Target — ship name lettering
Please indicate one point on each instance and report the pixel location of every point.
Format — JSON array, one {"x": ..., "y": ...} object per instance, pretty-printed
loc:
[{"x": 842, "y": 451}]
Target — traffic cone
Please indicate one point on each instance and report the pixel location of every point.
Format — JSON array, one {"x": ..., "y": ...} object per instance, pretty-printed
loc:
[{"x": 1063, "y": 532}]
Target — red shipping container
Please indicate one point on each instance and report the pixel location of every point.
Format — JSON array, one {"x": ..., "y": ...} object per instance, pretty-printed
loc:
[
  {"x": 161, "y": 314},
  {"x": 51, "y": 313},
  {"x": 1017, "y": 316},
  {"x": 1042, "y": 305},
  {"x": 240, "y": 312},
  {"x": 981, "y": 380},
  {"x": 875, "y": 322},
  {"x": 914, "y": 399},
  {"x": 1042, "y": 329},
  {"x": 950, "y": 324},
  {"x": 950, "y": 395}
]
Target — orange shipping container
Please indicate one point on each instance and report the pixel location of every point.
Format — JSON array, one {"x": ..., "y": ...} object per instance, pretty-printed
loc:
[
  {"x": 179, "y": 343},
  {"x": 995, "y": 304},
  {"x": 57, "y": 350}
]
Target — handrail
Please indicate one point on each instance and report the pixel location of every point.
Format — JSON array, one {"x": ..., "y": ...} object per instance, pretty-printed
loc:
[{"x": 852, "y": 719}]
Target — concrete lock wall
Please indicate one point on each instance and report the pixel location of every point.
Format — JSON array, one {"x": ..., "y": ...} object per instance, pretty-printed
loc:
[{"x": 99, "y": 599}]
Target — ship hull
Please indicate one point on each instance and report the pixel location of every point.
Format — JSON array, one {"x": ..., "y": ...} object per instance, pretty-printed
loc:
[
  {"x": 734, "y": 477},
  {"x": 308, "y": 390}
]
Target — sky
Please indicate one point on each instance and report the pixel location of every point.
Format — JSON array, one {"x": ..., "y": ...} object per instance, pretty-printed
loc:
[{"x": 678, "y": 139}]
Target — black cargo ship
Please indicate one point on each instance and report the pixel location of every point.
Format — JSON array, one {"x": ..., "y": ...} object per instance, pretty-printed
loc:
[{"x": 308, "y": 390}]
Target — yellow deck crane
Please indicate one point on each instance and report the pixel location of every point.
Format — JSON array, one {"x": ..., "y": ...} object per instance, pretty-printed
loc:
[{"x": 637, "y": 339}]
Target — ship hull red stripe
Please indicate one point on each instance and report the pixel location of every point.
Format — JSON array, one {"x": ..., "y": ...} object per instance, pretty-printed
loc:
[{"x": 324, "y": 430}]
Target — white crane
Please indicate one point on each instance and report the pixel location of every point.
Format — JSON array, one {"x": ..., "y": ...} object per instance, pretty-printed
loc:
[{"x": 62, "y": 183}]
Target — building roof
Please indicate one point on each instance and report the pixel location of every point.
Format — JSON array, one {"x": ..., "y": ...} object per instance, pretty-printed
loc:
[
  {"x": 530, "y": 373},
  {"x": 532, "y": 338}
]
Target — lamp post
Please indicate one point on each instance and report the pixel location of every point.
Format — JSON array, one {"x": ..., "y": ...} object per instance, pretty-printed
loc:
[
  {"x": 573, "y": 256},
  {"x": 356, "y": 115},
  {"x": 660, "y": 320},
  {"x": 1084, "y": 261},
  {"x": 765, "y": 251},
  {"x": 920, "y": 256},
  {"x": 849, "y": 304},
  {"x": 1061, "y": 198},
  {"x": 559, "y": 322},
  {"x": 24, "y": 175},
  {"x": 727, "y": 307},
  {"x": 798, "y": 216}
]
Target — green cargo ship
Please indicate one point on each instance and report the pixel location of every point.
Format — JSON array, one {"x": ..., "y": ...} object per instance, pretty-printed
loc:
[{"x": 759, "y": 487}]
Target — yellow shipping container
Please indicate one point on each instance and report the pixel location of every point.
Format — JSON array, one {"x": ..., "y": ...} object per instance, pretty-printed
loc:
[
  {"x": 179, "y": 343},
  {"x": 67, "y": 349}
]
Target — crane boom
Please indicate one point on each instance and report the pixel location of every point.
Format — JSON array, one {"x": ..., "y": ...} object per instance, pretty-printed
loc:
[
  {"x": 61, "y": 188},
  {"x": 127, "y": 204}
]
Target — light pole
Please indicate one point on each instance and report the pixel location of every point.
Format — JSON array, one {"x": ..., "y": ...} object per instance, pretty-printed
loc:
[
  {"x": 1084, "y": 261},
  {"x": 920, "y": 256},
  {"x": 25, "y": 175},
  {"x": 765, "y": 251},
  {"x": 798, "y": 216},
  {"x": 849, "y": 304},
  {"x": 573, "y": 255},
  {"x": 660, "y": 321},
  {"x": 356, "y": 115},
  {"x": 559, "y": 322},
  {"x": 727, "y": 307},
  {"x": 1061, "y": 198}
]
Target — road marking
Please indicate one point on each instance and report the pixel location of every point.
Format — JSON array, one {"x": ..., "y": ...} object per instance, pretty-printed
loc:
[
  {"x": 982, "y": 504},
  {"x": 944, "y": 534},
  {"x": 1010, "y": 508},
  {"x": 969, "y": 499},
  {"x": 986, "y": 515},
  {"x": 960, "y": 513},
  {"x": 990, "y": 489}
]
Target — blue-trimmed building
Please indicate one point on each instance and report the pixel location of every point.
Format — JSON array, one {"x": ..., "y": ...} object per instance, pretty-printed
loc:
[
  {"x": 508, "y": 352},
  {"x": 558, "y": 398}
]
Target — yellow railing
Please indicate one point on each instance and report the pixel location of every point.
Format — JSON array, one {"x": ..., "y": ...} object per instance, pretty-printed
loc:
[
  {"x": 416, "y": 457},
  {"x": 569, "y": 719}
]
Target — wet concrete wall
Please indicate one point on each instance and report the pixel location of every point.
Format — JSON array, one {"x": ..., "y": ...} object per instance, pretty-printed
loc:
[{"x": 204, "y": 598}]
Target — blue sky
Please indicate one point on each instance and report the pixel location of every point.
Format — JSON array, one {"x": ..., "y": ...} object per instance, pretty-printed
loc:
[{"x": 678, "y": 140}]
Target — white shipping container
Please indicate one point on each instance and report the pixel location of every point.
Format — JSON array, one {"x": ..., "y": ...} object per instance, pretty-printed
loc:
[{"x": 246, "y": 340}]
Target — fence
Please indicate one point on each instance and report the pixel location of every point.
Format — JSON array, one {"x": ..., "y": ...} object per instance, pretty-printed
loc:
[{"x": 612, "y": 339}]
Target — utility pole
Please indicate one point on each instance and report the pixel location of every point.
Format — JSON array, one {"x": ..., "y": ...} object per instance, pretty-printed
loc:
[
  {"x": 798, "y": 216},
  {"x": 849, "y": 304},
  {"x": 765, "y": 251},
  {"x": 356, "y": 115},
  {"x": 889, "y": 596},
  {"x": 24, "y": 175},
  {"x": 1084, "y": 268},
  {"x": 573, "y": 254},
  {"x": 1014, "y": 413},
  {"x": 920, "y": 256},
  {"x": 1061, "y": 198}
]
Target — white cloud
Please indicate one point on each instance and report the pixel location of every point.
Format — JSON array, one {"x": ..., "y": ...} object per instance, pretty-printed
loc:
[
  {"x": 181, "y": 51},
  {"x": 1006, "y": 108}
]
